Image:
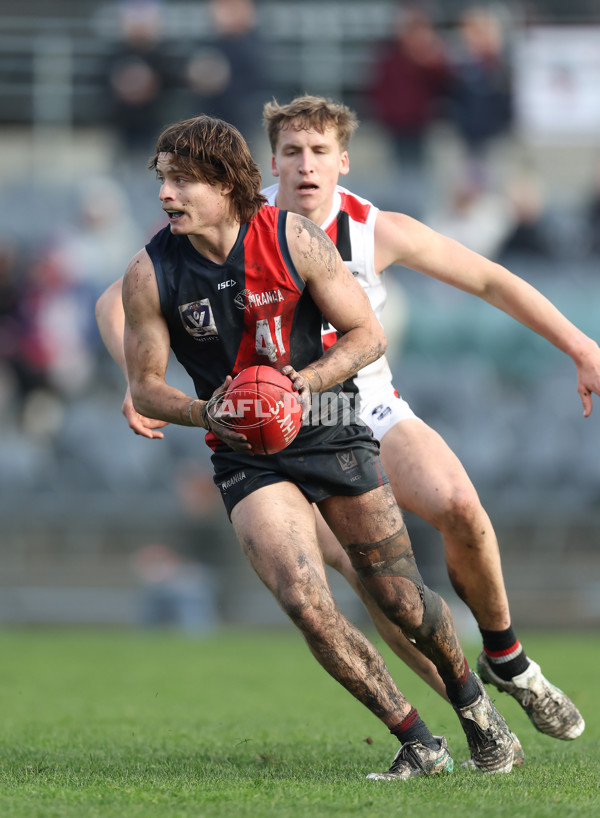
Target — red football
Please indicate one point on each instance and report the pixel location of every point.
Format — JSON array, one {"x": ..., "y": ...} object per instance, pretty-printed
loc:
[{"x": 262, "y": 404}]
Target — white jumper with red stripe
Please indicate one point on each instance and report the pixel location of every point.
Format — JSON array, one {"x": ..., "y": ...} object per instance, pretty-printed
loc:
[{"x": 351, "y": 226}]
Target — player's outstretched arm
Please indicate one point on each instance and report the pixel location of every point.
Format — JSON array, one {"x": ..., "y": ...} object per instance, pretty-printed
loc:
[
  {"x": 111, "y": 324},
  {"x": 400, "y": 239},
  {"x": 342, "y": 301},
  {"x": 147, "y": 348}
]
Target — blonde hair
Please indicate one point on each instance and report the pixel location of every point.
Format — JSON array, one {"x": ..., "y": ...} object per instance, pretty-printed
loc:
[
  {"x": 211, "y": 150},
  {"x": 310, "y": 113}
]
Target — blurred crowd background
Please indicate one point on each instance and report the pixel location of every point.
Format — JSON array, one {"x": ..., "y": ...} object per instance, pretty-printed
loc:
[{"x": 481, "y": 120}]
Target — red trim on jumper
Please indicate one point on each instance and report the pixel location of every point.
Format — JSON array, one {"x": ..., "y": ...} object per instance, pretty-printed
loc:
[
  {"x": 357, "y": 211},
  {"x": 329, "y": 338}
]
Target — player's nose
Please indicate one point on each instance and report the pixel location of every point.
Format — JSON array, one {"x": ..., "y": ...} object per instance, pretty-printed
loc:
[
  {"x": 306, "y": 164},
  {"x": 166, "y": 192}
]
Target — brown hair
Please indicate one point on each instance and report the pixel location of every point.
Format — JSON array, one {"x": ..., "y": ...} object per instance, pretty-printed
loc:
[
  {"x": 309, "y": 112},
  {"x": 211, "y": 150}
]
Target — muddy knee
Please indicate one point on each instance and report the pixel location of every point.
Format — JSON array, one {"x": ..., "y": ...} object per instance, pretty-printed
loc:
[
  {"x": 405, "y": 598},
  {"x": 309, "y": 606}
]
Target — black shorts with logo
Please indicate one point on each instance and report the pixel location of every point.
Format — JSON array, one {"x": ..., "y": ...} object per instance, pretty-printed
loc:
[{"x": 323, "y": 461}]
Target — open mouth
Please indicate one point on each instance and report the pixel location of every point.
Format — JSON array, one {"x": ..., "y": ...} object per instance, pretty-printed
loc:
[
  {"x": 174, "y": 215},
  {"x": 307, "y": 187}
]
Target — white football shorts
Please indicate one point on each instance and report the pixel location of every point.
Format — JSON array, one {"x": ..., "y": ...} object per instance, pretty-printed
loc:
[{"x": 384, "y": 410}]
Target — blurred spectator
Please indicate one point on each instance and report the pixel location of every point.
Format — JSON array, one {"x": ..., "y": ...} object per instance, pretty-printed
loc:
[
  {"x": 227, "y": 78},
  {"x": 49, "y": 340},
  {"x": 529, "y": 236},
  {"x": 481, "y": 94},
  {"x": 96, "y": 246},
  {"x": 14, "y": 377},
  {"x": 593, "y": 213},
  {"x": 175, "y": 592},
  {"x": 494, "y": 222},
  {"x": 138, "y": 76},
  {"x": 29, "y": 344},
  {"x": 410, "y": 78},
  {"x": 92, "y": 250},
  {"x": 476, "y": 217},
  {"x": 54, "y": 349}
]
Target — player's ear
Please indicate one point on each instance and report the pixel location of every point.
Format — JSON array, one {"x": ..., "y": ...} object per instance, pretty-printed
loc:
[
  {"x": 344, "y": 163},
  {"x": 274, "y": 169}
]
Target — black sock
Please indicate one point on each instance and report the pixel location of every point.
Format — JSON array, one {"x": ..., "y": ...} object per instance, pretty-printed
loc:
[
  {"x": 463, "y": 691},
  {"x": 504, "y": 652},
  {"x": 413, "y": 728}
]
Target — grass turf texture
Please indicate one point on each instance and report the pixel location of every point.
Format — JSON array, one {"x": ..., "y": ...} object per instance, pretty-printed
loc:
[{"x": 247, "y": 724}]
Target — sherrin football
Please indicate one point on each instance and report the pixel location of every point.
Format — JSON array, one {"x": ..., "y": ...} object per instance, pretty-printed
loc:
[{"x": 263, "y": 405}]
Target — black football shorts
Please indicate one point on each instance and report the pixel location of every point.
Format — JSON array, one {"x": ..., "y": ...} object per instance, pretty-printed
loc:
[{"x": 323, "y": 461}]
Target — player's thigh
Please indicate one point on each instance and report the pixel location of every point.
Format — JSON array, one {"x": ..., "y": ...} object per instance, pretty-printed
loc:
[
  {"x": 367, "y": 518},
  {"x": 371, "y": 529},
  {"x": 426, "y": 476},
  {"x": 333, "y": 553},
  {"x": 275, "y": 526}
]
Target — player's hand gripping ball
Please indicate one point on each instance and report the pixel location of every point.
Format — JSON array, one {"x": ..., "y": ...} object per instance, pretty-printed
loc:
[{"x": 262, "y": 405}]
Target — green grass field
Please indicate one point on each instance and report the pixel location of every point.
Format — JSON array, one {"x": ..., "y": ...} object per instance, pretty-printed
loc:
[{"x": 98, "y": 723}]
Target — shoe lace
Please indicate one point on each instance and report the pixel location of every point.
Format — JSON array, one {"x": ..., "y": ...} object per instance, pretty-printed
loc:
[
  {"x": 480, "y": 739},
  {"x": 407, "y": 753},
  {"x": 549, "y": 704}
]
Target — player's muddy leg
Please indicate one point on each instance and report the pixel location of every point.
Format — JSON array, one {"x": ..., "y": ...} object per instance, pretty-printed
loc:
[
  {"x": 276, "y": 528},
  {"x": 336, "y": 558},
  {"x": 371, "y": 529}
]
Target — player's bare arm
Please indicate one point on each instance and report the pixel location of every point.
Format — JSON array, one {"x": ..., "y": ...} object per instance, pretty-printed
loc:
[
  {"x": 147, "y": 347},
  {"x": 342, "y": 301},
  {"x": 399, "y": 239},
  {"x": 111, "y": 324}
]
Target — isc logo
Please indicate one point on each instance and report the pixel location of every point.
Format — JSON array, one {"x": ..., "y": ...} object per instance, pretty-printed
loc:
[{"x": 224, "y": 284}]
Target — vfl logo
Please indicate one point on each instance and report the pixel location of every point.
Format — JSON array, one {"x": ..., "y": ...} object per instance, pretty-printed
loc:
[
  {"x": 197, "y": 318},
  {"x": 347, "y": 460}
]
